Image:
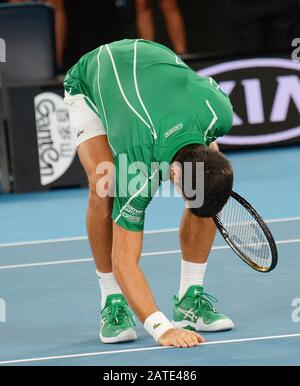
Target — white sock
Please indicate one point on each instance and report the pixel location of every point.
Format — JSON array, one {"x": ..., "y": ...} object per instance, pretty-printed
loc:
[
  {"x": 108, "y": 286},
  {"x": 191, "y": 274}
]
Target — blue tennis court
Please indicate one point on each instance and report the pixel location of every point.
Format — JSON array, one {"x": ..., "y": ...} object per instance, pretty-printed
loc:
[{"x": 48, "y": 284}]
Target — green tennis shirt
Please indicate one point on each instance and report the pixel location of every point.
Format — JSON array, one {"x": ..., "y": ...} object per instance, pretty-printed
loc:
[{"x": 151, "y": 105}]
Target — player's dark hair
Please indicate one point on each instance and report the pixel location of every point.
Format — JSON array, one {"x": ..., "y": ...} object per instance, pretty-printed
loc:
[{"x": 218, "y": 178}]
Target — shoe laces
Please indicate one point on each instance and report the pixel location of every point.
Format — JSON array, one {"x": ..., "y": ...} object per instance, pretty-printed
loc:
[
  {"x": 205, "y": 301},
  {"x": 118, "y": 313}
]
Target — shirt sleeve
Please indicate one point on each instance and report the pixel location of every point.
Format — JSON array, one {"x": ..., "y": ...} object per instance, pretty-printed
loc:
[
  {"x": 72, "y": 83},
  {"x": 221, "y": 109}
]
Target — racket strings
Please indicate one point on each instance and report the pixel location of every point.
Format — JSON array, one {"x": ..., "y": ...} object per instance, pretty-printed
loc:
[{"x": 246, "y": 234}]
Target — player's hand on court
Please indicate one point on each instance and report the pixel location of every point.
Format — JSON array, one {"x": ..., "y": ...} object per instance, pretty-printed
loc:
[{"x": 180, "y": 338}]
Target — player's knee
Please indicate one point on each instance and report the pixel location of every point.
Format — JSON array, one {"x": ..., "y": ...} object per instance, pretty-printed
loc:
[
  {"x": 100, "y": 184},
  {"x": 93, "y": 181},
  {"x": 103, "y": 207},
  {"x": 99, "y": 200}
]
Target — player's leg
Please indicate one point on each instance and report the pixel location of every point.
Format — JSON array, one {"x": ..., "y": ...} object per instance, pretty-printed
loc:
[
  {"x": 192, "y": 307},
  {"x": 175, "y": 24},
  {"x": 94, "y": 152},
  {"x": 144, "y": 19}
]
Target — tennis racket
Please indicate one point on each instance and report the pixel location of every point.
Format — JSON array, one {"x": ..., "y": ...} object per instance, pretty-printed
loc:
[{"x": 247, "y": 234}]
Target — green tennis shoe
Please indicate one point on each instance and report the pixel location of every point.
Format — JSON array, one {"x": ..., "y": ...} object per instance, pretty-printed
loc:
[
  {"x": 117, "y": 321},
  {"x": 195, "y": 311}
]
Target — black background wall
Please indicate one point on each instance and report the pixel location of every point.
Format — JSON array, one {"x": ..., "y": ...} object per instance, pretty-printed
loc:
[{"x": 213, "y": 26}]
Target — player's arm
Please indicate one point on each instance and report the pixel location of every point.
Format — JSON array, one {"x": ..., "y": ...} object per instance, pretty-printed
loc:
[{"x": 126, "y": 253}]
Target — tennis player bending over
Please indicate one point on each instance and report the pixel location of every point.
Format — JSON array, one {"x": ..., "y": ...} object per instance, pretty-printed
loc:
[{"x": 135, "y": 105}]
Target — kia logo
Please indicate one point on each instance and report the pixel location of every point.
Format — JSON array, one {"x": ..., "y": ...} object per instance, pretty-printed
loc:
[{"x": 265, "y": 94}]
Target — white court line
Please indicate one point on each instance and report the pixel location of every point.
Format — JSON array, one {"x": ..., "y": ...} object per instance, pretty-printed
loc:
[
  {"x": 150, "y": 232},
  {"x": 46, "y": 241},
  {"x": 76, "y": 238},
  {"x": 49, "y": 263},
  {"x": 57, "y": 262},
  {"x": 95, "y": 354},
  {"x": 283, "y": 219},
  {"x": 158, "y": 253}
]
